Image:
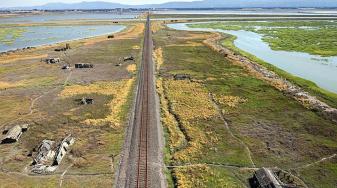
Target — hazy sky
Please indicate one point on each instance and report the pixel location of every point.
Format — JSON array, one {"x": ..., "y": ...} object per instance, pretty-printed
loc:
[{"x": 15, "y": 3}]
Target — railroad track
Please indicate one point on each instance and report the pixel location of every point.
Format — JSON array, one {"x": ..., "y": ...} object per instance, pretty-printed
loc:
[
  {"x": 141, "y": 164},
  {"x": 146, "y": 79}
]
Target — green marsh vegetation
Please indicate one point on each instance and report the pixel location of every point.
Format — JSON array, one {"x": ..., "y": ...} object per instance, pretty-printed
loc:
[
  {"x": 313, "y": 37},
  {"x": 228, "y": 41},
  {"x": 9, "y": 35},
  {"x": 277, "y": 130}
]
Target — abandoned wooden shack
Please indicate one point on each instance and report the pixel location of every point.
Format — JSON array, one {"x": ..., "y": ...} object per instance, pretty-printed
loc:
[
  {"x": 83, "y": 65},
  {"x": 129, "y": 58},
  {"x": 13, "y": 135},
  {"x": 52, "y": 60},
  {"x": 265, "y": 178},
  {"x": 85, "y": 101},
  {"x": 182, "y": 77}
]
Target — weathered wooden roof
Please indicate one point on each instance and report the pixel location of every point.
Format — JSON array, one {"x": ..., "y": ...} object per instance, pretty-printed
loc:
[
  {"x": 182, "y": 76},
  {"x": 14, "y": 133},
  {"x": 266, "y": 178},
  {"x": 62, "y": 149}
]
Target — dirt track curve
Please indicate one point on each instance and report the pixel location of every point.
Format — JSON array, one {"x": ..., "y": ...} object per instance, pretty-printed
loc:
[{"x": 141, "y": 164}]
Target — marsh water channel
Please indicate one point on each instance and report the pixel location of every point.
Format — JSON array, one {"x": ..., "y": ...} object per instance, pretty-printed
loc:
[
  {"x": 320, "y": 70},
  {"x": 44, "y": 35}
]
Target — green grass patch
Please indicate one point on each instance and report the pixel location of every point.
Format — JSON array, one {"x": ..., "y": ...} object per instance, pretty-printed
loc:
[
  {"x": 278, "y": 130},
  {"x": 313, "y": 37}
]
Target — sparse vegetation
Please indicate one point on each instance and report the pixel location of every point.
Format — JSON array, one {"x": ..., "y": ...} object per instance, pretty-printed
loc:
[
  {"x": 47, "y": 98},
  {"x": 119, "y": 91},
  {"x": 277, "y": 130}
]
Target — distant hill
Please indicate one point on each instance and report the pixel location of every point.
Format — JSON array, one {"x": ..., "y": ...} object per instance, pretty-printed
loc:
[{"x": 195, "y": 4}]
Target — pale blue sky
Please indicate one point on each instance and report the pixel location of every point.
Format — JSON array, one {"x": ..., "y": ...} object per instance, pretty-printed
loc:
[{"x": 15, "y": 3}]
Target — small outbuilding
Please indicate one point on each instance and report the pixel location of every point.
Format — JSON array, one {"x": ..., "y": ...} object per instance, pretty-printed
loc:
[
  {"x": 129, "y": 58},
  {"x": 65, "y": 67},
  {"x": 52, "y": 60},
  {"x": 13, "y": 135},
  {"x": 265, "y": 178},
  {"x": 85, "y": 101},
  {"x": 83, "y": 66},
  {"x": 182, "y": 77}
]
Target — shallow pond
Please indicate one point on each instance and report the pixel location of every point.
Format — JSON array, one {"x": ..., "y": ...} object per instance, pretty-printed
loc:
[
  {"x": 42, "y": 35},
  {"x": 320, "y": 70}
]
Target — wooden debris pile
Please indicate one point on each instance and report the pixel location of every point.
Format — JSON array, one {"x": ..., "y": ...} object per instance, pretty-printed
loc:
[{"x": 49, "y": 155}]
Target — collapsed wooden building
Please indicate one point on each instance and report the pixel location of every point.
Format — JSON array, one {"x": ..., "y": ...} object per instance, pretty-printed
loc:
[
  {"x": 49, "y": 155},
  {"x": 13, "y": 134}
]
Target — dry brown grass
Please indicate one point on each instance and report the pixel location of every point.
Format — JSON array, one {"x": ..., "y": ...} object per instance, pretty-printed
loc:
[
  {"x": 119, "y": 90},
  {"x": 132, "y": 68},
  {"x": 132, "y": 32},
  {"x": 230, "y": 101},
  {"x": 190, "y": 100},
  {"x": 21, "y": 56},
  {"x": 158, "y": 56},
  {"x": 176, "y": 137},
  {"x": 156, "y": 26}
]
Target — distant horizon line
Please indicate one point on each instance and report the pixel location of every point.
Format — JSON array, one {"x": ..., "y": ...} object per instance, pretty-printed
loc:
[{"x": 152, "y": 6}]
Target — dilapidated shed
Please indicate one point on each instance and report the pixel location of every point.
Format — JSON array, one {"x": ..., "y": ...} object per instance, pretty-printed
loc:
[
  {"x": 129, "y": 58},
  {"x": 265, "y": 178},
  {"x": 182, "y": 77},
  {"x": 83, "y": 65},
  {"x": 65, "y": 67},
  {"x": 13, "y": 134},
  {"x": 85, "y": 101},
  {"x": 52, "y": 60}
]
